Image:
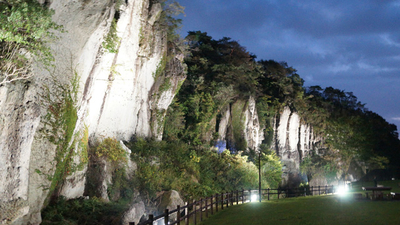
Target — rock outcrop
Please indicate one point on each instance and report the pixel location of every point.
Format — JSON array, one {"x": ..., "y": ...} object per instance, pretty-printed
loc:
[
  {"x": 239, "y": 126},
  {"x": 170, "y": 200},
  {"x": 118, "y": 95},
  {"x": 134, "y": 213},
  {"x": 293, "y": 140}
]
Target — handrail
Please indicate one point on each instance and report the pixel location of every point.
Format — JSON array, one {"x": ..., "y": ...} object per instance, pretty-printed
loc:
[{"x": 219, "y": 201}]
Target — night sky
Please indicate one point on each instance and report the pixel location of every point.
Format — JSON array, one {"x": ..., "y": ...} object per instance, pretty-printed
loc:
[{"x": 351, "y": 45}]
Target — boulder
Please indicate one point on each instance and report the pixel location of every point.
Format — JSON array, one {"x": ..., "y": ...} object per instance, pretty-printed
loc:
[
  {"x": 134, "y": 213},
  {"x": 170, "y": 200}
]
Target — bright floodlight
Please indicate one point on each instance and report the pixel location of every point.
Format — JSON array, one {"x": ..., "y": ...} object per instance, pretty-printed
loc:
[
  {"x": 254, "y": 197},
  {"x": 342, "y": 190}
]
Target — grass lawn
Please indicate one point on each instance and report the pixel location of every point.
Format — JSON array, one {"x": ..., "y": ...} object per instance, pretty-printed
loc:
[{"x": 330, "y": 209}]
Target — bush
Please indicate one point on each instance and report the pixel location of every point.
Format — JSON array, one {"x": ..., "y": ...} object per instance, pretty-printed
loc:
[
  {"x": 83, "y": 211},
  {"x": 194, "y": 172},
  {"x": 110, "y": 149},
  {"x": 24, "y": 30}
]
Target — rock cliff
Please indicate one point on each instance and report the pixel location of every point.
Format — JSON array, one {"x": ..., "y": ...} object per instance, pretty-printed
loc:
[
  {"x": 116, "y": 94},
  {"x": 292, "y": 139}
]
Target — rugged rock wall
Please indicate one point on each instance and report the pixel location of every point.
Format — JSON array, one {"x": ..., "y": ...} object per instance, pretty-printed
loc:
[
  {"x": 19, "y": 118},
  {"x": 119, "y": 96},
  {"x": 240, "y": 123},
  {"x": 292, "y": 141}
]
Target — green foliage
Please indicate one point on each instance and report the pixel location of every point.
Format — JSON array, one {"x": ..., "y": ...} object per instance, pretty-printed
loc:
[
  {"x": 174, "y": 127},
  {"x": 321, "y": 166},
  {"x": 271, "y": 168},
  {"x": 377, "y": 162},
  {"x": 111, "y": 40},
  {"x": 166, "y": 85},
  {"x": 168, "y": 21},
  {"x": 350, "y": 130},
  {"x": 160, "y": 67},
  {"x": 111, "y": 150},
  {"x": 162, "y": 166},
  {"x": 83, "y": 147},
  {"x": 219, "y": 71},
  {"x": 59, "y": 125},
  {"x": 25, "y": 28},
  {"x": 83, "y": 211},
  {"x": 280, "y": 82},
  {"x": 193, "y": 172},
  {"x": 239, "y": 142}
]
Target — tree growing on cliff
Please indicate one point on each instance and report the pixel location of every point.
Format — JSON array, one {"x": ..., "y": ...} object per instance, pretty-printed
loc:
[
  {"x": 219, "y": 71},
  {"x": 25, "y": 28}
]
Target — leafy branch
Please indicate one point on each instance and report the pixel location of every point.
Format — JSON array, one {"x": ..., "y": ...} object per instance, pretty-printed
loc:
[{"x": 25, "y": 28}]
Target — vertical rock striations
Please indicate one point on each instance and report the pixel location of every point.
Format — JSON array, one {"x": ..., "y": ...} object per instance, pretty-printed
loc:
[
  {"x": 120, "y": 94},
  {"x": 293, "y": 140}
]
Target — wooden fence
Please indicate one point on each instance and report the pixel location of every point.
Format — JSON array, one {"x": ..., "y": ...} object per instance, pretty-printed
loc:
[{"x": 197, "y": 210}]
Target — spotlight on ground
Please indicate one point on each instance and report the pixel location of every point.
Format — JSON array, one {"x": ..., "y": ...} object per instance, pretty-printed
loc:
[
  {"x": 342, "y": 190},
  {"x": 254, "y": 197}
]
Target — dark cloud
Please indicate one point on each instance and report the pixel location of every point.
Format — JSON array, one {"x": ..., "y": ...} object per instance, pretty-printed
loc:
[{"x": 350, "y": 45}]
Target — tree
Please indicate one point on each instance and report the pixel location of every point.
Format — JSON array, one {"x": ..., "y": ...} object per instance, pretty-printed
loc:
[
  {"x": 24, "y": 31},
  {"x": 281, "y": 82},
  {"x": 219, "y": 72}
]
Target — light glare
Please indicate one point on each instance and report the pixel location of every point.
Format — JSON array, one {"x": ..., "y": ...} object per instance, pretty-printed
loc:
[
  {"x": 342, "y": 190},
  {"x": 254, "y": 197}
]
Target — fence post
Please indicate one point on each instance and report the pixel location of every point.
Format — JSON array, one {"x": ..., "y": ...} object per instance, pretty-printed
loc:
[
  {"x": 268, "y": 193},
  {"x": 166, "y": 216},
  {"x": 237, "y": 197},
  {"x": 201, "y": 209},
  {"x": 216, "y": 202},
  {"x": 212, "y": 205},
  {"x": 178, "y": 215},
  {"x": 151, "y": 218},
  {"x": 305, "y": 192},
  {"x": 312, "y": 190},
  {"x": 206, "y": 207},
  {"x": 319, "y": 190},
  {"x": 249, "y": 195},
  {"x": 187, "y": 212},
  {"x": 195, "y": 212},
  {"x": 222, "y": 201},
  {"x": 326, "y": 189}
]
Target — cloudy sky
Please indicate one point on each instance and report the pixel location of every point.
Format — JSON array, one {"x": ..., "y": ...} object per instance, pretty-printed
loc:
[{"x": 352, "y": 45}]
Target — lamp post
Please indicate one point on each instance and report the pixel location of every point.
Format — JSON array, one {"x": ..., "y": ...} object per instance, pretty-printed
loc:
[{"x": 259, "y": 175}]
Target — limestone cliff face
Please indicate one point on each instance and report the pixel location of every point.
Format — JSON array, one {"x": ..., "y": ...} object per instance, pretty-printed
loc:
[
  {"x": 293, "y": 140},
  {"x": 239, "y": 126},
  {"x": 119, "y": 95}
]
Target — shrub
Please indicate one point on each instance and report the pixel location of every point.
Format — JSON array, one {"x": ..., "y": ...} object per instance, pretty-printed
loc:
[
  {"x": 110, "y": 149},
  {"x": 194, "y": 172}
]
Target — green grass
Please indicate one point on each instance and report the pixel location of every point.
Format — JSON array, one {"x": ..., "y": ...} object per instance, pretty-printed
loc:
[
  {"x": 310, "y": 210},
  {"x": 328, "y": 209}
]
